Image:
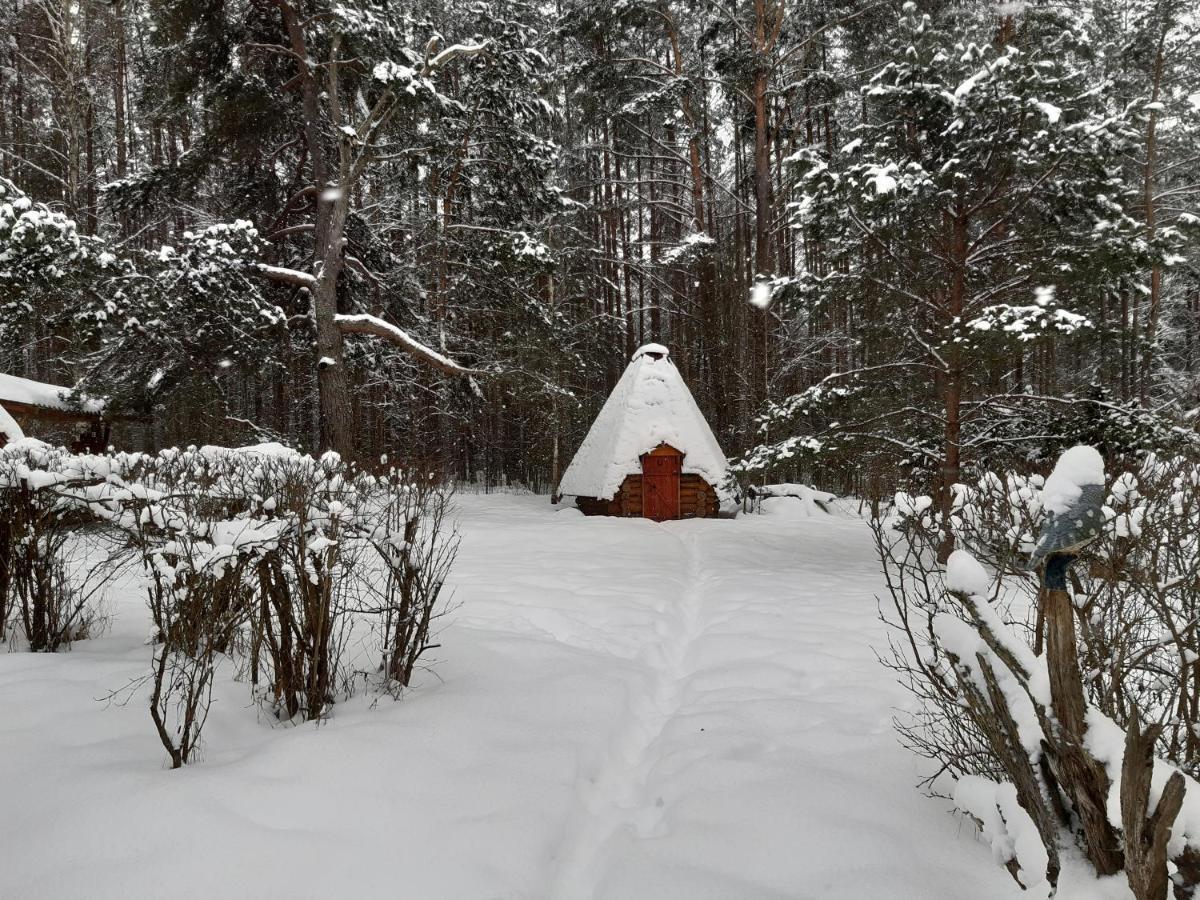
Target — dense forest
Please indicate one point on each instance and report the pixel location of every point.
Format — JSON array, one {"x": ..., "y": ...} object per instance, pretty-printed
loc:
[
  {"x": 883, "y": 241},
  {"x": 351, "y": 281}
]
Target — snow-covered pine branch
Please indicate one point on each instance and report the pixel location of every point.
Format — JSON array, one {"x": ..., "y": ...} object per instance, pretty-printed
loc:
[
  {"x": 450, "y": 54},
  {"x": 288, "y": 276},
  {"x": 368, "y": 324}
]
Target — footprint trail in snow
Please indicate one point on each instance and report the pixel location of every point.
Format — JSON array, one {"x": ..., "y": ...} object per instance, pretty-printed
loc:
[{"x": 618, "y": 796}]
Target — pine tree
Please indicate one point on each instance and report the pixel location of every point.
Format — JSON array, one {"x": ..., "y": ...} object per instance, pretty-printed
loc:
[{"x": 974, "y": 216}]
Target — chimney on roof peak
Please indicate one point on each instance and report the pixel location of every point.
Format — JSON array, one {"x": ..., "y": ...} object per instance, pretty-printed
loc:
[{"x": 654, "y": 351}]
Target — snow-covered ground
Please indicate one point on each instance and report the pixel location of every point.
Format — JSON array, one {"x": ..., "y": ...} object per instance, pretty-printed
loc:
[{"x": 621, "y": 710}]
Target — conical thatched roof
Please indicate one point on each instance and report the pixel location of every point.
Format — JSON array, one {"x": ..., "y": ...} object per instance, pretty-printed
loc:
[{"x": 649, "y": 406}]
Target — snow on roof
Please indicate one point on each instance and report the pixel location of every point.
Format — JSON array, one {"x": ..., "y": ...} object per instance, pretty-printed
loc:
[
  {"x": 651, "y": 350},
  {"x": 38, "y": 393},
  {"x": 649, "y": 406},
  {"x": 9, "y": 427}
]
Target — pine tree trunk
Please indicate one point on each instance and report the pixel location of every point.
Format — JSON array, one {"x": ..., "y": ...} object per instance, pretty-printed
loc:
[
  {"x": 120, "y": 139},
  {"x": 952, "y": 389},
  {"x": 762, "y": 176},
  {"x": 1147, "y": 360}
]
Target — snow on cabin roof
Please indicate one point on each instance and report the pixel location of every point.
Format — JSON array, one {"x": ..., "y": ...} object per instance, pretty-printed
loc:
[
  {"x": 37, "y": 393},
  {"x": 651, "y": 350},
  {"x": 649, "y": 406},
  {"x": 9, "y": 428}
]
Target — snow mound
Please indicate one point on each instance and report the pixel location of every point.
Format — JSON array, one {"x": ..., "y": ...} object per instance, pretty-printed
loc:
[
  {"x": 795, "y": 501},
  {"x": 650, "y": 406},
  {"x": 965, "y": 575},
  {"x": 269, "y": 448},
  {"x": 27, "y": 445},
  {"x": 9, "y": 427}
]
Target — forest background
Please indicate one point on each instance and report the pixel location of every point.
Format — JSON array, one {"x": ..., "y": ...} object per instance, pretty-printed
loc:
[{"x": 885, "y": 243}]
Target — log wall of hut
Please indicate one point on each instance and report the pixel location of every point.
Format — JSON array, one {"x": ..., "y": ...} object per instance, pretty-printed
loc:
[
  {"x": 697, "y": 499},
  {"x": 83, "y": 432}
]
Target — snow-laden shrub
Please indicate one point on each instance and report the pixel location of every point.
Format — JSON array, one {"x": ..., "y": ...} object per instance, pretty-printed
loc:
[
  {"x": 416, "y": 546},
  {"x": 263, "y": 555},
  {"x": 55, "y": 564},
  {"x": 197, "y": 557},
  {"x": 1137, "y": 593},
  {"x": 968, "y": 641},
  {"x": 294, "y": 552}
]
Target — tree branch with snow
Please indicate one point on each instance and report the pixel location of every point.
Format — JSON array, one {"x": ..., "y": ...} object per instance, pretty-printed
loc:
[{"x": 373, "y": 325}]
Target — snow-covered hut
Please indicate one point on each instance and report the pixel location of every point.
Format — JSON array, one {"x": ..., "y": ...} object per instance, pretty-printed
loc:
[
  {"x": 24, "y": 401},
  {"x": 650, "y": 453}
]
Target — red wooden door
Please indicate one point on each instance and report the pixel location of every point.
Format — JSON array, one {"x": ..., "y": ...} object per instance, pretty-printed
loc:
[{"x": 660, "y": 485}]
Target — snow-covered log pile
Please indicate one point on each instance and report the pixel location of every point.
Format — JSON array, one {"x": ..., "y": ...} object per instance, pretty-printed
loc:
[
  {"x": 259, "y": 553},
  {"x": 993, "y": 667},
  {"x": 793, "y": 501}
]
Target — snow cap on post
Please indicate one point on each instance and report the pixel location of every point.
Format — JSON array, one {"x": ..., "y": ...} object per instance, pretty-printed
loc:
[
  {"x": 1076, "y": 468},
  {"x": 1073, "y": 498}
]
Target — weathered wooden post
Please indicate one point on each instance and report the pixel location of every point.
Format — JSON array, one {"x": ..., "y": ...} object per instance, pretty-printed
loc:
[
  {"x": 1067, "y": 531},
  {"x": 1073, "y": 498}
]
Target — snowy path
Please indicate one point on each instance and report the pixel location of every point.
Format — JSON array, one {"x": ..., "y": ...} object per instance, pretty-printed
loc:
[
  {"x": 617, "y": 797},
  {"x": 624, "y": 711},
  {"x": 749, "y": 753}
]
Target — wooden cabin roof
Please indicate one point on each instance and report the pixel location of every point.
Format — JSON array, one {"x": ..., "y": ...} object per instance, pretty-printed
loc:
[
  {"x": 650, "y": 406},
  {"x": 39, "y": 399}
]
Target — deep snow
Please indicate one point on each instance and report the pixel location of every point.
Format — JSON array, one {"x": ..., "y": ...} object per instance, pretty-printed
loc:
[{"x": 621, "y": 710}]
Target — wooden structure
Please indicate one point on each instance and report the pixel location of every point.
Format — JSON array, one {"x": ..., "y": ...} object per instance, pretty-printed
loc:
[
  {"x": 661, "y": 492},
  {"x": 26, "y": 403},
  {"x": 650, "y": 453}
]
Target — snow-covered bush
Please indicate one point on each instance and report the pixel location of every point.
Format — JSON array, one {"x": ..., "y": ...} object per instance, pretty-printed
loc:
[
  {"x": 288, "y": 553},
  {"x": 416, "y": 547},
  {"x": 54, "y": 567},
  {"x": 1140, "y": 608},
  {"x": 1137, "y": 594},
  {"x": 969, "y": 641},
  {"x": 196, "y": 557},
  {"x": 309, "y": 573},
  {"x": 259, "y": 554}
]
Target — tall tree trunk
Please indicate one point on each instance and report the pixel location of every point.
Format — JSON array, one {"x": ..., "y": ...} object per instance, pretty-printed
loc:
[
  {"x": 952, "y": 385},
  {"x": 1148, "y": 173},
  {"x": 120, "y": 139},
  {"x": 762, "y": 176},
  {"x": 333, "y": 392}
]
